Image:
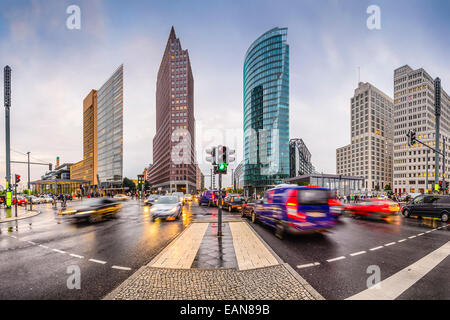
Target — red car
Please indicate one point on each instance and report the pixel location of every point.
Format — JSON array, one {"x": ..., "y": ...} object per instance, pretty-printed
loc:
[
  {"x": 21, "y": 201},
  {"x": 373, "y": 207}
]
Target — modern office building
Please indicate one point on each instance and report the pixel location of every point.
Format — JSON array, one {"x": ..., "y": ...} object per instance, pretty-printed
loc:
[
  {"x": 414, "y": 109},
  {"x": 266, "y": 111},
  {"x": 110, "y": 131},
  {"x": 369, "y": 154},
  {"x": 173, "y": 145},
  {"x": 86, "y": 169},
  {"x": 299, "y": 159},
  {"x": 342, "y": 185}
]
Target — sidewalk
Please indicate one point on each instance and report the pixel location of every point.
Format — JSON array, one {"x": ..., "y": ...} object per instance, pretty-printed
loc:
[
  {"x": 7, "y": 215},
  {"x": 199, "y": 265}
]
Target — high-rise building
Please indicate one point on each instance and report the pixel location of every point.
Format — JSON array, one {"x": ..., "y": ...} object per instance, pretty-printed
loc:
[
  {"x": 238, "y": 178},
  {"x": 414, "y": 109},
  {"x": 110, "y": 131},
  {"x": 299, "y": 159},
  {"x": 86, "y": 169},
  {"x": 266, "y": 111},
  {"x": 173, "y": 145},
  {"x": 200, "y": 179},
  {"x": 369, "y": 154}
]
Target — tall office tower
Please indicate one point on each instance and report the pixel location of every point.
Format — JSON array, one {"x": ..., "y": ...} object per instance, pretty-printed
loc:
[
  {"x": 266, "y": 111},
  {"x": 174, "y": 143},
  {"x": 110, "y": 131},
  {"x": 414, "y": 110},
  {"x": 369, "y": 154},
  {"x": 299, "y": 159},
  {"x": 86, "y": 169}
]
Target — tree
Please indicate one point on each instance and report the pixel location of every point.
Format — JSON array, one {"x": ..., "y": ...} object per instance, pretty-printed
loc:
[
  {"x": 127, "y": 183},
  {"x": 387, "y": 187}
]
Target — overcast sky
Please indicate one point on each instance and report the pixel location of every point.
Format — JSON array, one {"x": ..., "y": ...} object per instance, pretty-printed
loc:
[{"x": 54, "y": 68}]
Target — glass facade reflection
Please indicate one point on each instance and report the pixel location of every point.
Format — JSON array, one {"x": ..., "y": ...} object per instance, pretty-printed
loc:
[
  {"x": 110, "y": 130},
  {"x": 266, "y": 110}
]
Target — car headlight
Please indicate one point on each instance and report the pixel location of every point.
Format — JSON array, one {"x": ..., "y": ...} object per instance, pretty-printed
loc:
[
  {"x": 152, "y": 210},
  {"x": 174, "y": 209}
]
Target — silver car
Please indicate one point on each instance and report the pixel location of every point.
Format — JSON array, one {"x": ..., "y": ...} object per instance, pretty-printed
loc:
[{"x": 166, "y": 207}]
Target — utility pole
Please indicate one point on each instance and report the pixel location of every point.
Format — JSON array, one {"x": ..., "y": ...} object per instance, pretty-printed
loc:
[
  {"x": 219, "y": 208},
  {"x": 437, "y": 112},
  {"x": 29, "y": 193},
  {"x": 7, "y": 99},
  {"x": 426, "y": 175}
]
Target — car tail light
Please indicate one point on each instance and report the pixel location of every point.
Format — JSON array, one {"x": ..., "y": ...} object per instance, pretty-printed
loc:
[
  {"x": 292, "y": 207},
  {"x": 333, "y": 202}
]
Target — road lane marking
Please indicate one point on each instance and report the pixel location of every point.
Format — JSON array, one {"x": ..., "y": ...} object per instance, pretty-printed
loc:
[
  {"x": 420, "y": 234},
  {"x": 357, "y": 253},
  {"x": 389, "y": 244},
  {"x": 42, "y": 246},
  {"x": 13, "y": 237},
  {"x": 77, "y": 256},
  {"x": 121, "y": 268},
  {"x": 336, "y": 259},
  {"x": 308, "y": 265},
  {"x": 31, "y": 242},
  {"x": 376, "y": 248},
  {"x": 402, "y": 240},
  {"x": 395, "y": 285},
  {"x": 59, "y": 251},
  {"x": 428, "y": 231},
  {"x": 412, "y": 237},
  {"x": 97, "y": 261}
]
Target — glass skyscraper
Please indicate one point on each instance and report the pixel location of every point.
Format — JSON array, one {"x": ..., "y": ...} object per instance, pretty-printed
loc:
[
  {"x": 110, "y": 130},
  {"x": 266, "y": 111}
]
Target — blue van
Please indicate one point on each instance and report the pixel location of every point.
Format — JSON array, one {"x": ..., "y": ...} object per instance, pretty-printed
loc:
[
  {"x": 209, "y": 197},
  {"x": 292, "y": 209}
]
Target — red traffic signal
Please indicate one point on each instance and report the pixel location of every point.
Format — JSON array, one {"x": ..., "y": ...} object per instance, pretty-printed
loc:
[{"x": 17, "y": 178}]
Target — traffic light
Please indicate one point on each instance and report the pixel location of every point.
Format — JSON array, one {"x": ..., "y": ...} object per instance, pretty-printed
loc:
[
  {"x": 230, "y": 156},
  {"x": 222, "y": 168},
  {"x": 211, "y": 155},
  {"x": 411, "y": 137},
  {"x": 17, "y": 180},
  {"x": 221, "y": 154},
  {"x": 440, "y": 185}
]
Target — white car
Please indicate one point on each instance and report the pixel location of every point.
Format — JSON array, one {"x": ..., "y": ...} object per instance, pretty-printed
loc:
[
  {"x": 34, "y": 200},
  {"x": 46, "y": 199},
  {"x": 179, "y": 195},
  {"x": 121, "y": 197}
]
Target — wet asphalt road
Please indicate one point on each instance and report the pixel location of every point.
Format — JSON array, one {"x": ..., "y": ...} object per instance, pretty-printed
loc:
[
  {"x": 35, "y": 253},
  {"x": 340, "y": 279}
]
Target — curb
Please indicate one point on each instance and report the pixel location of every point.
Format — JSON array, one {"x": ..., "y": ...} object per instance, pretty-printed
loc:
[
  {"x": 35, "y": 213},
  {"x": 299, "y": 278}
]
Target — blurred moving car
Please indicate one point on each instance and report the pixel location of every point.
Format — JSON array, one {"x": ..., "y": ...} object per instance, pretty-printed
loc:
[
  {"x": 187, "y": 198},
  {"x": 233, "y": 202},
  {"x": 179, "y": 195},
  {"x": 293, "y": 209},
  {"x": 377, "y": 208},
  {"x": 93, "y": 210},
  {"x": 336, "y": 208},
  {"x": 121, "y": 197},
  {"x": 167, "y": 207},
  {"x": 435, "y": 206},
  {"x": 151, "y": 199},
  {"x": 208, "y": 197}
]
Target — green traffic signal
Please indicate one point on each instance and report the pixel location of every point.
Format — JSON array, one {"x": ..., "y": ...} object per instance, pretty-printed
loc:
[{"x": 222, "y": 167}]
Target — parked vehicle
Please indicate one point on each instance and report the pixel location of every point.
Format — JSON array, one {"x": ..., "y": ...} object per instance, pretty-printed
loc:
[
  {"x": 34, "y": 200},
  {"x": 435, "y": 206},
  {"x": 167, "y": 207},
  {"x": 233, "y": 202},
  {"x": 377, "y": 208},
  {"x": 21, "y": 201},
  {"x": 94, "y": 210},
  {"x": 293, "y": 209},
  {"x": 46, "y": 199}
]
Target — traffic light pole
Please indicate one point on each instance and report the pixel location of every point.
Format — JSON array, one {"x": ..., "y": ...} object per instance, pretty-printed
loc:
[
  {"x": 7, "y": 89},
  {"x": 219, "y": 208},
  {"x": 15, "y": 197},
  {"x": 29, "y": 193}
]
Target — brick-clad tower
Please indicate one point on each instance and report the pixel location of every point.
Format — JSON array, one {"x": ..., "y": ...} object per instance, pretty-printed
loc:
[{"x": 174, "y": 115}]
